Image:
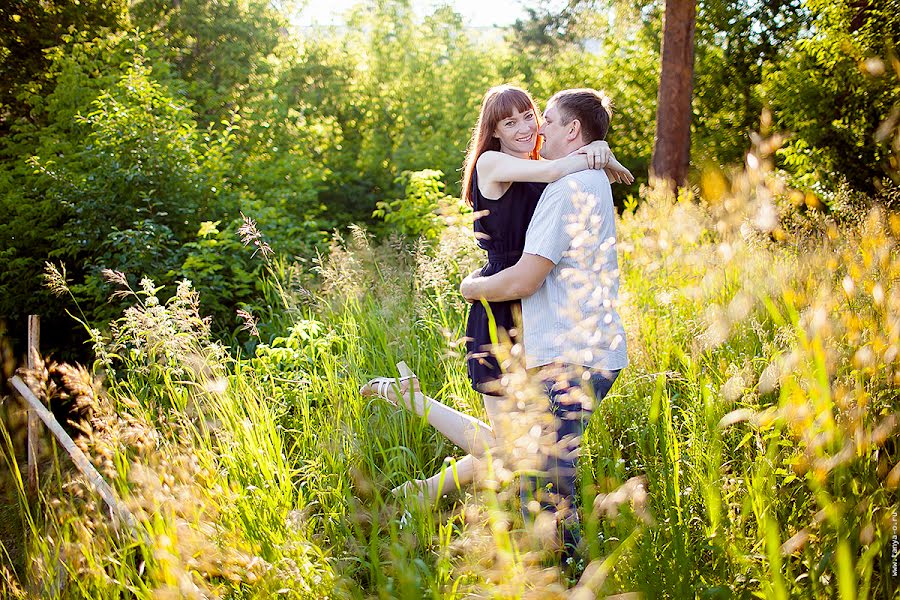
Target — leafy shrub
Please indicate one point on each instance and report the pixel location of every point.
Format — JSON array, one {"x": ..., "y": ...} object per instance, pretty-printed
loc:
[
  {"x": 424, "y": 210},
  {"x": 121, "y": 185},
  {"x": 837, "y": 96},
  {"x": 222, "y": 270}
]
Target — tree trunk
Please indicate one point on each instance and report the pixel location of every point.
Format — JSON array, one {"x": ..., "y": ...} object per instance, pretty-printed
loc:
[{"x": 672, "y": 146}]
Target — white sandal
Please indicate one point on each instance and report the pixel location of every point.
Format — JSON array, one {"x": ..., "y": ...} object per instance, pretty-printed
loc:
[
  {"x": 414, "y": 488},
  {"x": 380, "y": 386}
]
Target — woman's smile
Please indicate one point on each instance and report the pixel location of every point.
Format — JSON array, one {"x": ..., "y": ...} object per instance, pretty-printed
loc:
[{"x": 517, "y": 132}]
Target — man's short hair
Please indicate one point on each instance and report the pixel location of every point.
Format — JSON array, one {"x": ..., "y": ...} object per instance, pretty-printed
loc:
[{"x": 593, "y": 110}]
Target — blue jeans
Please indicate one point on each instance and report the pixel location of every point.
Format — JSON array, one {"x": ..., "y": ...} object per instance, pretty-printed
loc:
[{"x": 572, "y": 402}]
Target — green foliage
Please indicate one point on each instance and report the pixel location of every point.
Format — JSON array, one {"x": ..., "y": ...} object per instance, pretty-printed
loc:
[
  {"x": 757, "y": 365},
  {"x": 736, "y": 42},
  {"x": 216, "y": 262},
  {"x": 141, "y": 158},
  {"x": 122, "y": 188},
  {"x": 424, "y": 209},
  {"x": 213, "y": 503},
  {"x": 839, "y": 86},
  {"x": 277, "y": 172},
  {"x": 388, "y": 109},
  {"x": 126, "y": 140},
  {"x": 546, "y": 27},
  {"x": 40, "y": 180},
  {"x": 217, "y": 48},
  {"x": 31, "y": 28},
  {"x": 115, "y": 172},
  {"x": 748, "y": 449}
]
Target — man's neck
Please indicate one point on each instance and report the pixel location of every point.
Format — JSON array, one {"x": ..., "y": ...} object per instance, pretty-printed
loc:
[{"x": 570, "y": 148}]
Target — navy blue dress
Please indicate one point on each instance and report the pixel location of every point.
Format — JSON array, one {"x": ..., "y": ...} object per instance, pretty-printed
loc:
[{"x": 502, "y": 234}]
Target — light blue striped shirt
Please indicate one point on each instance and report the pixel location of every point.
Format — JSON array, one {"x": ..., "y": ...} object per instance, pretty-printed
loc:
[{"x": 572, "y": 317}]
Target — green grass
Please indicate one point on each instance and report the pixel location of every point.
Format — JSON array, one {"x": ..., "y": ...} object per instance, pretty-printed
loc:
[{"x": 269, "y": 476}]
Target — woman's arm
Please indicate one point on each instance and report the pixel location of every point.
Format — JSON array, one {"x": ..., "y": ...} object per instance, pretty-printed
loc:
[
  {"x": 498, "y": 167},
  {"x": 599, "y": 155}
]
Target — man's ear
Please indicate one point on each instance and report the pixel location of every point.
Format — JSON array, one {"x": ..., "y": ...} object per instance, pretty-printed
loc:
[{"x": 574, "y": 131}]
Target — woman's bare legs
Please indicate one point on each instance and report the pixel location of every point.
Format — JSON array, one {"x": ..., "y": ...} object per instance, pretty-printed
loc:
[
  {"x": 460, "y": 471},
  {"x": 472, "y": 435},
  {"x": 457, "y": 473}
]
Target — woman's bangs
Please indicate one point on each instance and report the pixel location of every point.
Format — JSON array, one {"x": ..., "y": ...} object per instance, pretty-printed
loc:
[{"x": 509, "y": 101}]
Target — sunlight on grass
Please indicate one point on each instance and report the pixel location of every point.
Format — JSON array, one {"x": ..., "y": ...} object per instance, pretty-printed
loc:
[{"x": 750, "y": 448}]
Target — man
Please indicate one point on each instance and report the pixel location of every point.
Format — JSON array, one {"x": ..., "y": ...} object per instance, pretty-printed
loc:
[{"x": 568, "y": 281}]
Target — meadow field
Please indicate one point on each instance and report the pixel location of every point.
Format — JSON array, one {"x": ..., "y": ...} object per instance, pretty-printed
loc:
[
  {"x": 749, "y": 450},
  {"x": 229, "y": 221}
]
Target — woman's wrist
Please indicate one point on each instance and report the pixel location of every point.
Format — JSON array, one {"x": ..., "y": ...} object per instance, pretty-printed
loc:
[{"x": 574, "y": 163}]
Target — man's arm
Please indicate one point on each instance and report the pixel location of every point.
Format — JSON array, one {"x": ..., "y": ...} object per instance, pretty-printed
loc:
[
  {"x": 545, "y": 243},
  {"x": 519, "y": 281}
]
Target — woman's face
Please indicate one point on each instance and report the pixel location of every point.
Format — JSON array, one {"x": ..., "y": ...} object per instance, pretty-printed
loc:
[{"x": 517, "y": 133}]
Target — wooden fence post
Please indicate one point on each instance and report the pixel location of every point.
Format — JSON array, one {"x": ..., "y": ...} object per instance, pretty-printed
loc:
[
  {"x": 118, "y": 510},
  {"x": 34, "y": 336}
]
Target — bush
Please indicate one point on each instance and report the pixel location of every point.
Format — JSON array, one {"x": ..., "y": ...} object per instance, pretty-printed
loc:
[{"x": 425, "y": 210}]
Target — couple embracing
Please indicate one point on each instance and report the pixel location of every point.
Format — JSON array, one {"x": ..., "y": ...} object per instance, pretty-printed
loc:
[{"x": 547, "y": 222}]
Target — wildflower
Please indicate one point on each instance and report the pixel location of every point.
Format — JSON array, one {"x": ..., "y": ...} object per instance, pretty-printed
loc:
[
  {"x": 249, "y": 322},
  {"x": 55, "y": 279},
  {"x": 251, "y": 235}
]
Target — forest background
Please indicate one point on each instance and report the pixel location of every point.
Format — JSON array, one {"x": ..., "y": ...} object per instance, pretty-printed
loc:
[
  {"x": 135, "y": 134},
  {"x": 249, "y": 220}
]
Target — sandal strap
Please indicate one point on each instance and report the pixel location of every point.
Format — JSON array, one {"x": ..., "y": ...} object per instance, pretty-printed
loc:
[{"x": 382, "y": 385}]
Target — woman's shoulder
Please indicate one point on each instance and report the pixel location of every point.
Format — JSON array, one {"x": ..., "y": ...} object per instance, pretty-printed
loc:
[
  {"x": 487, "y": 157},
  {"x": 483, "y": 175}
]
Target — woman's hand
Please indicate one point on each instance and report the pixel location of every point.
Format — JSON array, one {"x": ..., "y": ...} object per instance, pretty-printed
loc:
[
  {"x": 617, "y": 173},
  {"x": 598, "y": 154}
]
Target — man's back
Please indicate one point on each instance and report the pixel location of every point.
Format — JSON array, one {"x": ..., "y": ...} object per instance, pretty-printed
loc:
[{"x": 572, "y": 317}]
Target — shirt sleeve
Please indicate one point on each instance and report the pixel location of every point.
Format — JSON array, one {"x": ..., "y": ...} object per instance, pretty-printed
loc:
[{"x": 547, "y": 235}]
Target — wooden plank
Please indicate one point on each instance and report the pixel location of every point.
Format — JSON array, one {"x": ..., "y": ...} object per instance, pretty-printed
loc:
[
  {"x": 34, "y": 336},
  {"x": 81, "y": 461}
]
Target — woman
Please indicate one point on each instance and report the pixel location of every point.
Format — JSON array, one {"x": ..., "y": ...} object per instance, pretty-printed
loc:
[{"x": 503, "y": 181}]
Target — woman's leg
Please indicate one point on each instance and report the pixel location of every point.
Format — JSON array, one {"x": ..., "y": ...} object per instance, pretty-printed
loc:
[
  {"x": 473, "y": 435},
  {"x": 455, "y": 473}
]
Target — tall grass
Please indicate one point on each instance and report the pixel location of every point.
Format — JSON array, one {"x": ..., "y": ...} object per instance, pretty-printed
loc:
[{"x": 749, "y": 449}]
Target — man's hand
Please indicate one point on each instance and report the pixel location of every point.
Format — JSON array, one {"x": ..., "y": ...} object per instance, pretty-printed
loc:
[
  {"x": 598, "y": 154},
  {"x": 518, "y": 281},
  {"x": 467, "y": 287}
]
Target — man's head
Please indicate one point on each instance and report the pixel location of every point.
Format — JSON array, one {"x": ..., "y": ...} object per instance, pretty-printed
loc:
[{"x": 572, "y": 119}]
